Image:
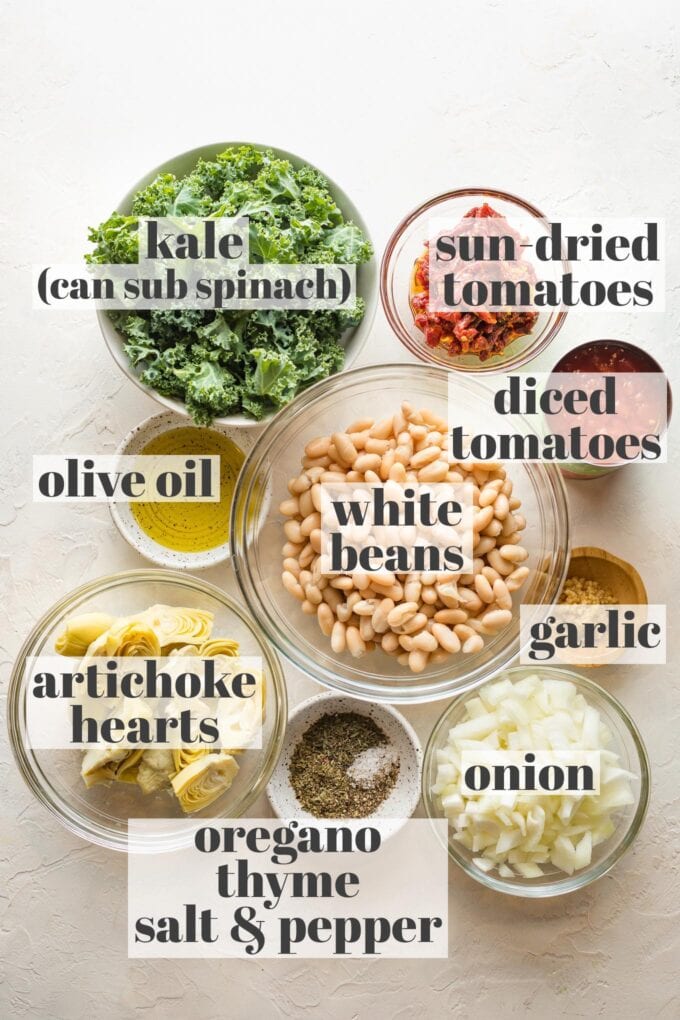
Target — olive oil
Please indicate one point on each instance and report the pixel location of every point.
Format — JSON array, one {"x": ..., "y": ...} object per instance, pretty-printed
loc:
[{"x": 187, "y": 526}]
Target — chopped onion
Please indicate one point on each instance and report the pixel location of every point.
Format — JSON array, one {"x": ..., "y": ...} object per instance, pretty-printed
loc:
[{"x": 515, "y": 832}]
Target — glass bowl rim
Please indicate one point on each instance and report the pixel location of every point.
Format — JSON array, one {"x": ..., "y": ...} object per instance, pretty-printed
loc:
[
  {"x": 420, "y": 350},
  {"x": 71, "y": 819},
  {"x": 248, "y": 584},
  {"x": 568, "y": 883}
]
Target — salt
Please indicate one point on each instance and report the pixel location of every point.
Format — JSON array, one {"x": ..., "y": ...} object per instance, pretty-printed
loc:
[{"x": 371, "y": 764}]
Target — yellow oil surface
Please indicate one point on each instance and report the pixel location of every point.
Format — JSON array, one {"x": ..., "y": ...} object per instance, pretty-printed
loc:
[{"x": 185, "y": 526}]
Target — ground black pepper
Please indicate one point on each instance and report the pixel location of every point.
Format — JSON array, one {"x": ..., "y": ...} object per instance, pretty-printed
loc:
[{"x": 319, "y": 764}]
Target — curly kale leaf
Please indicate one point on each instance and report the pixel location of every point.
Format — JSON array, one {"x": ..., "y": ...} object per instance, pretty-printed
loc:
[
  {"x": 116, "y": 241},
  {"x": 167, "y": 327},
  {"x": 274, "y": 376},
  {"x": 243, "y": 162},
  {"x": 331, "y": 324},
  {"x": 157, "y": 198},
  {"x": 348, "y": 244},
  {"x": 225, "y": 339},
  {"x": 309, "y": 175},
  {"x": 269, "y": 243},
  {"x": 188, "y": 202},
  {"x": 319, "y": 205},
  {"x": 276, "y": 180},
  {"x": 211, "y": 391},
  {"x": 162, "y": 370},
  {"x": 314, "y": 360},
  {"x": 208, "y": 178}
]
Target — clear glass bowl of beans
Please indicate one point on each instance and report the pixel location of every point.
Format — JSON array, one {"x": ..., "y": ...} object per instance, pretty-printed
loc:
[{"x": 315, "y": 621}]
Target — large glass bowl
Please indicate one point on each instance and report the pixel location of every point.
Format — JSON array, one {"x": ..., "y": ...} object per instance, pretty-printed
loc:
[
  {"x": 100, "y": 814},
  {"x": 407, "y": 243},
  {"x": 626, "y": 742},
  {"x": 257, "y": 533}
]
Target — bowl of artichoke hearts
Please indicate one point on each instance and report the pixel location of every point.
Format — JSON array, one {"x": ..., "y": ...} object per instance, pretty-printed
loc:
[{"x": 162, "y": 616}]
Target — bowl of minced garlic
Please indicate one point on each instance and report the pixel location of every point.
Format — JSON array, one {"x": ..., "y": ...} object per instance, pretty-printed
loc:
[{"x": 598, "y": 578}]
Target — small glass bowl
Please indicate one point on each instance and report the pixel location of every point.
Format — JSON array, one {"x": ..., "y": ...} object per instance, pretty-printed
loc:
[
  {"x": 407, "y": 243},
  {"x": 100, "y": 814},
  {"x": 257, "y": 533},
  {"x": 626, "y": 741}
]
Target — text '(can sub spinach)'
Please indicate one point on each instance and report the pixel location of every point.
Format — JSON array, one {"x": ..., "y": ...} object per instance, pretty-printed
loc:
[{"x": 230, "y": 362}]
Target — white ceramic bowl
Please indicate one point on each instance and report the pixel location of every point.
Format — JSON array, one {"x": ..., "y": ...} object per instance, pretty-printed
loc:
[
  {"x": 124, "y": 519},
  {"x": 402, "y": 801},
  {"x": 367, "y": 274}
]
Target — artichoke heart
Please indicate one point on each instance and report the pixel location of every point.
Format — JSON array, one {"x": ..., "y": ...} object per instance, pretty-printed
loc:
[
  {"x": 80, "y": 631},
  {"x": 202, "y": 782},
  {"x": 99, "y": 764},
  {"x": 106, "y": 774},
  {"x": 132, "y": 636},
  {"x": 218, "y": 646},
  {"x": 196, "y": 775},
  {"x": 128, "y": 769},
  {"x": 155, "y": 770},
  {"x": 239, "y": 720},
  {"x": 176, "y": 625},
  {"x": 183, "y": 756}
]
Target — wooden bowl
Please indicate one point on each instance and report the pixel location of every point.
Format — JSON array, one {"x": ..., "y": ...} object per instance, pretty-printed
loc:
[{"x": 604, "y": 568}]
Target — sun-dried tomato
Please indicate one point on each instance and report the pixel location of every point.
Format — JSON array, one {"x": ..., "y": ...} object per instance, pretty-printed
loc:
[{"x": 481, "y": 333}]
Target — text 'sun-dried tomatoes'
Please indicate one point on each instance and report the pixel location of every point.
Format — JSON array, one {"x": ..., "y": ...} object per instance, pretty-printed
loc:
[{"x": 481, "y": 333}]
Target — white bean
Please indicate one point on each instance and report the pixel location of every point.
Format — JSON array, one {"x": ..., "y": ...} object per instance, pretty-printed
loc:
[
  {"x": 446, "y": 637},
  {"x": 324, "y": 615},
  {"x": 355, "y": 643},
  {"x": 292, "y": 585},
  {"x": 338, "y": 637},
  {"x": 401, "y": 613},
  {"x": 417, "y": 660}
]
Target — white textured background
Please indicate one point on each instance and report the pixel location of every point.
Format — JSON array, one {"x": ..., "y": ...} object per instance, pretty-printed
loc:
[{"x": 573, "y": 106}]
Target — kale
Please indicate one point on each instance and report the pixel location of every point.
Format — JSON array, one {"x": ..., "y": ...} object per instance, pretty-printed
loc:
[{"x": 225, "y": 362}]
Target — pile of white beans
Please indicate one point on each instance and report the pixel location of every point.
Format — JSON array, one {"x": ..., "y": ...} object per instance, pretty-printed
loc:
[{"x": 420, "y": 618}]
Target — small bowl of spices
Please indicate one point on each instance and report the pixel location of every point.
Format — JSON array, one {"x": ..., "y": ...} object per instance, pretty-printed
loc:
[
  {"x": 346, "y": 758},
  {"x": 182, "y": 534}
]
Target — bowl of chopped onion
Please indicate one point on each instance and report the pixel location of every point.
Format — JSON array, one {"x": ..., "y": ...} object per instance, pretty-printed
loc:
[{"x": 528, "y": 828}]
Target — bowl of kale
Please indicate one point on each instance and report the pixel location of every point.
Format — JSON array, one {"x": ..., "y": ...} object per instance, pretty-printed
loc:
[{"x": 232, "y": 366}]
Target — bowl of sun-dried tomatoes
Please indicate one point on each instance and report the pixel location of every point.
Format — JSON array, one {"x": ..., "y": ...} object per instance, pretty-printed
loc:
[{"x": 471, "y": 281}]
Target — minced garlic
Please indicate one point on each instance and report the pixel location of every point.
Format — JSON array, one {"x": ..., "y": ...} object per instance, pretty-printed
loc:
[{"x": 583, "y": 591}]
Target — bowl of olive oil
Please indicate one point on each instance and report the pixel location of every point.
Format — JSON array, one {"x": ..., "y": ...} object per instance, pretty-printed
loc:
[{"x": 181, "y": 533}]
